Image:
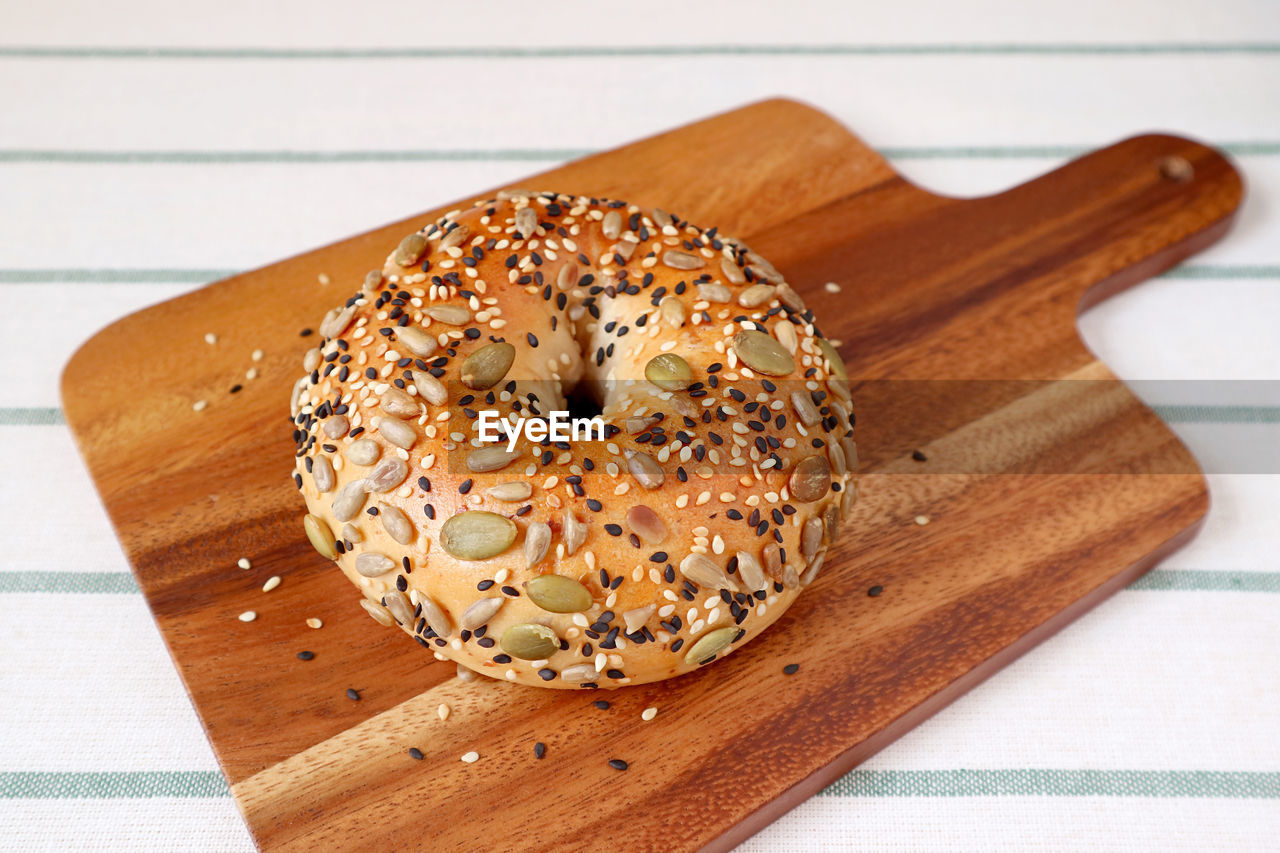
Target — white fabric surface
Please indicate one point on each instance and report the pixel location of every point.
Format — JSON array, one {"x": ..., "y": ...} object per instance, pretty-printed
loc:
[{"x": 127, "y": 179}]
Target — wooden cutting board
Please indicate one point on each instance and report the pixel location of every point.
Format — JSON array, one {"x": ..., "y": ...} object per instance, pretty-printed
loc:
[{"x": 1047, "y": 487}]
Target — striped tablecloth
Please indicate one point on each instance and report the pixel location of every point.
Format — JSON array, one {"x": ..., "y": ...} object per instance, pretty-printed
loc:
[{"x": 148, "y": 147}]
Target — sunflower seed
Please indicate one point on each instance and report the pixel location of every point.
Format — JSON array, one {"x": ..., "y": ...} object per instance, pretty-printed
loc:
[
  {"x": 850, "y": 452},
  {"x": 430, "y": 388},
  {"x": 378, "y": 612},
  {"x": 789, "y": 297},
  {"x": 669, "y": 372},
  {"x": 480, "y": 613},
  {"x": 410, "y": 250},
  {"x": 465, "y": 675},
  {"x": 371, "y": 564},
  {"x": 679, "y": 260},
  {"x": 527, "y": 222},
  {"x": 634, "y": 426},
  {"x": 349, "y": 500},
  {"x": 492, "y": 458},
  {"x": 634, "y": 619},
  {"x": 785, "y": 332},
  {"x": 714, "y": 291},
  {"x": 416, "y": 341},
  {"x": 398, "y": 433},
  {"x": 351, "y": 533},
  {"x": 399, "y": 404},
  {"x": 437, "y": 619},
  {"x": 322, "y": 474},
  {"x": 700, "y": 569},
  {"x": 574, "y": 533},
  {"x": 558, "y": 594},
  {"x": 456, "y": 236},
  {"x": 836, "y": 455},
  {"x": 672, "y": 311},
  {"x": 815, "y": 566},
  {"x": 320, "y": 535},
  {"x": 751, "y": 572},
  {"x": 372, "y": 280},
  {"x": 626, "y": 247},
  {"x": 839, "y": 388},
  {"x": 452, "y": 315},
  {"x": 762, "y": 353},
  {"x": 831, "y": 521},
  {"x": 530, "y": 641},
  {"x": 711, "y": 644},
  {"x": 755, "y": 295},
  {"x": 364, "y": 451},
  {"x": 772, "y": 560},
  {"x": 762, "y": 267},
  {"x": 646, "y": 524},
  {"x": 661, "y": 218},
  {"x": 510, "y": 492},
  {"x": 311, "y": 359},
  {"x": 611, "y": 226},
  {"x": 811, "y": 537},
  {"x": 389, "y": 474},
  {"x": 644, "y": 469},
  {"x": 396, "y": 523},
  {"x": 336, "y": 427},
  {"x": 487, "y": 366},
  {"x": 515, "y": 192},
  {"x": 732, "y": 271},
  {"x": 579, "y": 673},
  {"x": 399, "y": 606},
  {"x": 537, "y": 539},
  {"x": 805, "y": 409},
  {"x": 477, "y": 535},
  {"x": 336, "y": 321},
  {"x": 811, "y": 479}
]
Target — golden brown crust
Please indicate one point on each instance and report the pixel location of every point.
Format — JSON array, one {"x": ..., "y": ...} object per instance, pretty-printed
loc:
[{"x": 684, "y": 534}]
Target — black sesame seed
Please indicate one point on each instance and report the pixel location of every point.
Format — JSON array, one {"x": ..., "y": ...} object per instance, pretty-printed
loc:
[
  {"x": 919, "y": 456},
  {"x": 617, "y": 764},
  {"x": 352, "y": 694},
  {"x": 415, "y": 753},
  {"x": 539, "y": 749},
  {"x": 875, "y": 590},
  {"x": 306, "y": 655},
  {"x": 602, "y": 704},
  {"x": 791, "y": 668}
]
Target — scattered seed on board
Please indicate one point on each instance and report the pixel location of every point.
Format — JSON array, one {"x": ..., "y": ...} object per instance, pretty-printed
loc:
[
  {"x": 832, "y": 287},
  {"x": 313, "y": 622},
  {"x": 244, "y": 563},
  {"x": 918, "y": 455},
  {"x": 443, "y": 711},
  {"x": 306, "y": 655},
  {"x": 353, "y": 694},
  {"x": 617, "y": 764},
  {"x": 248, "y": 616},
  {"x": 875, "y": 590},
  {"x": 922, "y": 520},
  {"x": 648, "y": 714},
  {"x": 791, "y": 668},
  {"x": 199, "y": 405},
  {"x": 471, "y": 757},
  {"x": 272, "y": 583},
  {"x": 539, "y": 749},
  {"x": 602, "y": 704},
  {"x": 415, "y": 753},
  {"x": 210, "y": 338},
  {"x": 257, "y": 355}
]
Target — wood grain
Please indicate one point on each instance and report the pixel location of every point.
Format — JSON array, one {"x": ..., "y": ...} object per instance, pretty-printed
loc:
[{"x": 1048, "y": 486}]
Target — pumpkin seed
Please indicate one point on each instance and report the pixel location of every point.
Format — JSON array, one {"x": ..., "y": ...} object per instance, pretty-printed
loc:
[
  {"x": 396, "y": 523},
  {"x": 492, "y": 458},
  {"x": 537, "y": 539},
  {"x": 679, "y": 260},
  {"x": 574, "y": 533},
  {"x": 669, "y": 372},
  {"x": 395, "y": 402},
  {"x": 389, "y": 474},
  {"x": 634, "y": 619},
  {"x": 579, "y": 673},
  {"x": 756, "y": 295},
  {"x": 437, "y": 619},
  {"x": 320, "y": 535},
  {"x": 811, "y": 479},
  {"x": 530, "y": 641},
  {"x": 416, "y": 341},
  {"x": 646, "y": 471},
  {"x": 477, "y": 535},
  {"x": 399, "y": 606},
  {"x": 762, "y": 353},
  {"x": 398, "y": 433},
  {"x": 336, "y": 321},
  {"x": 378, "y": 612},
  {"x": 322, "y": 474},
  {"x": 364, "y": 451},
  {"x": 410, "y": 250},
  {"x": 480, "y": 613},
  {"x": 431, "y": 389},
  {"x": 714, "y": 291},
  {"x": 672, "y": 311},
  {"x": 455, "y": 237},
  {"x": 751, "y": 572},
  {"x": 811, "y": 537},
  {"x": 486, "y": 367},
  {"x": 772, "y": 554},
  {"x": 611, "y": 226},
  {"x": 558, "y": 594},
  {"x": 510, "y": 492},
  {"x": 700, "y": 569},
  {"x": 646, "y": 524},
  {"x": 815, "y": 566},
  {"x": 711, "y": 644},
  {"x": 336, "y": 427},
  {"x": 805, "y": 409},
  {"x": 349, "y": 500},
  {"x": 372, "y": 280},
  {"x": 452, "y": 315},
  {"x": 371, "y": 564},
  {"x": 527, "y": 222},
  {"x": 732, "y": 271}
]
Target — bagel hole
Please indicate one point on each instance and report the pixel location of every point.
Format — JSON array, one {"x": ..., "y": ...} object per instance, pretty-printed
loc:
[{"x": 584, "y": 401}]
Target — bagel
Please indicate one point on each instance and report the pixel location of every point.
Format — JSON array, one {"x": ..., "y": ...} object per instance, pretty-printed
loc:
[{"x": 725, "y": 471}]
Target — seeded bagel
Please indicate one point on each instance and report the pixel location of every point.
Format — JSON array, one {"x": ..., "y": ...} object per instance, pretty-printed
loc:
[{"x": 726, "y": 470}]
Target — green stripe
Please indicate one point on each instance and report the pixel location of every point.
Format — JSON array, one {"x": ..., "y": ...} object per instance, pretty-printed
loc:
[
  {"x": 524, "y": 155},
  {"x": 695, "y": 50},
  {"x": 1058, "y": 783},
  {"x": 1223, "y": 271},
  {"x": 1197, "y": 414},
  {"x": 84, "y": 583},
  {"x": 31, "y": 416},
  {"x": 107, "y": 785},
  {"x": 1200, "y": 579}
]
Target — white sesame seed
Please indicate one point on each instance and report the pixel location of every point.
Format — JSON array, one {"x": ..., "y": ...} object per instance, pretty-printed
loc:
[
  {"x": 199, "y": 405},
  {"x": 257, "y": 355},
  {"x": 313, "y": 622},
  {"x": 832, "y": 287},
  {"x": 244, "y": 563},
  {"x": 210, "y": 338},
  {"x": 648, "y": 714},
  {"x": 443, "y": 713},
  {"x": 272, "y": 583},
  {"x": 471, "y": 757},
  {"x": 922, "y": 520},
  {"x": 248, "y": 616}
]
